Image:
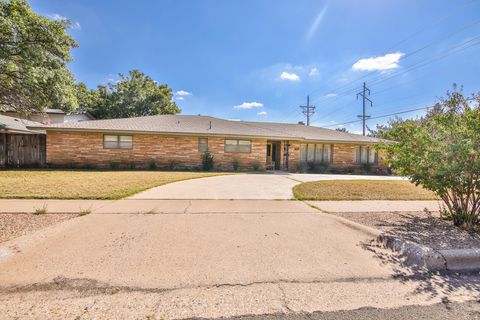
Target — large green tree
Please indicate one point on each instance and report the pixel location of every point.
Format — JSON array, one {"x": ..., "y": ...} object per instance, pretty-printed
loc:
[
  {"x": 34, "y": 52},
  {"x": 134, "y": 95},
  {"x": 441, "y": 152}
]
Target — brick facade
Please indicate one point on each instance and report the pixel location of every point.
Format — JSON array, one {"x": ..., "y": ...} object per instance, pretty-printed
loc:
[{"x": 86, "y": 148}]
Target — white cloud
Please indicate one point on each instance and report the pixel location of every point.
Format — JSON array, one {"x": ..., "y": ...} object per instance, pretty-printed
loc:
[
  {"x": 179, "y": 98},
  {"x": 76, "y": 25},
  {"x": 331, "y": 95},
  {"x": 183, "y": 93},
  {"x": 249, "y": 105},
  {"x": 58, "y": 17},
  {"x": 262, "y": 113},
  {"x": 386, "y": 62},
  {"x": 316, "y": 23},
  {"x": 289, "y": 76},
  {"x": 314, "y": 72}
]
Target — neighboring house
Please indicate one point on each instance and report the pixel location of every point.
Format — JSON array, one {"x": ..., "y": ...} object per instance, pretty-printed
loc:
[
  {"x": 182, "y": 139},
  {"x": 20, "y": 146},
  {"x": 52, "y": 116}
]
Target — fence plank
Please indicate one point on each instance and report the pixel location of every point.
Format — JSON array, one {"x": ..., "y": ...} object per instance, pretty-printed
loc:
[{"x": 22, "y": 150}]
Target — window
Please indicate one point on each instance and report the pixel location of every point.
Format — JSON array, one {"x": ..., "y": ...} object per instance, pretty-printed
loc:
[
  {"x": 366, "y": 154},
  {"x": 244, "y": 146},
  {"x": 311, "y": 152},
  {"x": 202, "y": 144},
  {"x": 117, "y": 142}
]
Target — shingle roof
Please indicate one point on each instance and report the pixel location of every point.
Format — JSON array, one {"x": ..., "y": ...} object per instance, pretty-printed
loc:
[
  {"x": 210, "y": 126},
  {"x": 17, "y": 125}
]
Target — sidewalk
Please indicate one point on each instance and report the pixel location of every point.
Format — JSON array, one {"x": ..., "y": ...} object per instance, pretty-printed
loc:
[
  {"x": 376, "y": 206},
  {"x": 156, "y": 206}
]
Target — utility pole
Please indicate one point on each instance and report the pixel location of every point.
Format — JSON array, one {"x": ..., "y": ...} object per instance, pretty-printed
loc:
[
  {"x": 363, "y": 94},
  {"x": 308, "y": 110}
]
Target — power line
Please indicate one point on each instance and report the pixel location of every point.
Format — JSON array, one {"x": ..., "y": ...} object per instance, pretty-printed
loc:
[
  {"x": 461, "y": 29},
  {"x": 457, "y": 48},
  {"x": 377, "y": 117}
]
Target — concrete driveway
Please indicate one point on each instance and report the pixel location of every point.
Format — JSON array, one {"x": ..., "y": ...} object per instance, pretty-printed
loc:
[
  {"x": 244, "y": 186},
  {"x": 238, "y": 186}
]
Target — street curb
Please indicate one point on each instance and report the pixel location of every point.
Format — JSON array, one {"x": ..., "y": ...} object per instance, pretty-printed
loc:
[{"x": 431, "y": 259}]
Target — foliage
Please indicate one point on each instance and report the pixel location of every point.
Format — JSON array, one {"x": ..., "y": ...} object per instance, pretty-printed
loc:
[
  {"x": 235, "y": 164},
  {"x": 317, "y": 167},
  {"x": 152, "y": 165},
  {"x": 256, "y": 166},
  {"x": 41, "y": 210},
  {"x": 301, "y": 167},
  {"x": 367, "y": 167},
  {"x": 34, "y": 52},
  {"x": 172, "y": 164},
  {"x": 134, "y": 95},
  {"x": 441, "y": 152},
  {"x": 207, "y": 161},
  {"x": 114, "y": 165},
  {"x": 84, "y": 212}
]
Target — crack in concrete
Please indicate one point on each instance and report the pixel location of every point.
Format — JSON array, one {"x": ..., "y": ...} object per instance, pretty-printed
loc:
[
  {"x": 187, "y": 207},
  {"x": 94, "y": 287},
  {"x": 285, "y": 306}
]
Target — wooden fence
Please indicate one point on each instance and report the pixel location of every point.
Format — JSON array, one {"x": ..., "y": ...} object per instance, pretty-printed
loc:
[{"x": 22, "y": 150}]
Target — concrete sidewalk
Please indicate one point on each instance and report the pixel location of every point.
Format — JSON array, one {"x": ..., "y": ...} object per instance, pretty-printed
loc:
[
  {"x": 199, "y": 206},
  {"x": 156, "y": 206},
  {"x": 376, "y": 206}
]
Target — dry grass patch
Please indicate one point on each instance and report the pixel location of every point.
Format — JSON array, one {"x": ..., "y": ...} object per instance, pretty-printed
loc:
[
  {"x": 361, "y": 190},
  {"x": 69, "y": 184}
]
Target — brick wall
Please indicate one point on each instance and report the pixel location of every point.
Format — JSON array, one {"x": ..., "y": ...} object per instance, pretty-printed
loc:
[
  {"x": 81, "y": 148},
  {"x": 343, "y": 157}
]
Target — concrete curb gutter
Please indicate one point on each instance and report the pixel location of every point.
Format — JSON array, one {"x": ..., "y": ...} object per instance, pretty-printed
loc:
[{"x": 431, "y": 259}]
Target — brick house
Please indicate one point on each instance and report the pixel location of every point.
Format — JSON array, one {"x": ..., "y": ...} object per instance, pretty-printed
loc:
[{"x": 182, "y": 139}]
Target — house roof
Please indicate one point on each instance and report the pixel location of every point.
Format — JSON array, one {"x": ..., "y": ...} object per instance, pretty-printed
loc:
[
  {"x": 17, "y": 125},
  {"x": 210, "y": 126},
  {"x": 46, "y": 110}
]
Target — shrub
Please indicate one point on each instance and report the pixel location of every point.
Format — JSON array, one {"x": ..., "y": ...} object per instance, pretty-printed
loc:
[
  {"x": 301, "y": 167},
  {"x": 152, "y": 165},
  {"x": 89, "y": 166},
  {"x": 441, "y": 152},
  {"x": 172, "y": 165},
  {"x": 367, "y": 167},
  {"x": 207, "y": 161},
  {"x": 256, "y": 166},
  {"x": 318, "y": 167},
  {"x": 41, "y": 210},
  {"x": 114, "y": 165},
  {"x": 84, "y": 212},
  {"x": 235, "y": 164}
]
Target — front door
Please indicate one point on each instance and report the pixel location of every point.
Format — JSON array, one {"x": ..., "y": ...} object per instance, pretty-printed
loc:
[{"x": 272, "y": 159}]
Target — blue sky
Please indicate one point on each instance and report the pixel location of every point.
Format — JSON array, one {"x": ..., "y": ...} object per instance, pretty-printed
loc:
[{"x": 258, "y": 60}]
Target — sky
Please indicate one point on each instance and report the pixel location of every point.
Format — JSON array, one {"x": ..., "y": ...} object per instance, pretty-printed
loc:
[{"x": 258, "y": 60}]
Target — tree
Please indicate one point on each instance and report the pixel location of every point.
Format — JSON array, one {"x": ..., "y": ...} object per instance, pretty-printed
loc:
[
  {"x": 134, "y": 95},
  {"x": 441, "y": 152},
  {"x": 34, "y": 52},
  {"x": 341, "y": 129}
]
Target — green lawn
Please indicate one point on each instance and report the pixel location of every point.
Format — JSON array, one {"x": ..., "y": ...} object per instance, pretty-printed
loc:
[
  {"x": 69, "y": 184},
  {"x": 361, "y": 190}
]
